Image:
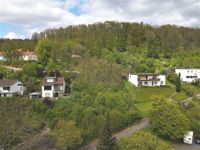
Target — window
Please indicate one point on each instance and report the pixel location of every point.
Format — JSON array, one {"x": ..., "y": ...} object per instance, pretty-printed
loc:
[
  {"x": 145, "y": 82},
  {"x": 187, "y": 77},
  {"x": 47, "y": 88},
  {"x": 161, "y": 82},
  {"x": 6, "y": 88}
]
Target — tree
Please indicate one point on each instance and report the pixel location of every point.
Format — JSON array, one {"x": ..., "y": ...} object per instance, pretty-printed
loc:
[
  {"x": 143, "y": 141},
  {"x": 106, "y": 141},
  {"x": 17, "y": 122},
  {"x": 154, "y": 48},
  {"x": 67, "y": 135},
  {"x": 178, "y": 84},
  {"x": 43, "y": 51},
  {"x": 168, "y": 121},
  {"x": 10, "y": 51},
  {"x": 192, "y": 111},
  {"x": 31, "y": 86}
]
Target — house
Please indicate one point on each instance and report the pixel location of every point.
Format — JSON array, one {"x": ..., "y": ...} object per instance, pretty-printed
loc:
[
  {"x": 2, "y": 57},
  {"x": 28, "y": 55},
  {"x": 188, "y": 75},
  {"x": 53, "y": 87},
  {"x": 9, "y": 88},
  {"x": 147, "y": 79}
]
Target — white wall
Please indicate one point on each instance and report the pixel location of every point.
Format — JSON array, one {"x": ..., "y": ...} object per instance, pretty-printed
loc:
[
  {"x": 2, "y": 58},
  {"x": 184, "y": 73},
  {"x": 47, "y": 93},
  {"x": 162, "y": 79},
  {"x": 27, "y": 58},
  {"x": 15, "y": 88},
  {"x": 133, "y": 79}
]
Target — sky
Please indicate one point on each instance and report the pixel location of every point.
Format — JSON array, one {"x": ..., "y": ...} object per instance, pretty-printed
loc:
[{"x": 21, "y": 18}]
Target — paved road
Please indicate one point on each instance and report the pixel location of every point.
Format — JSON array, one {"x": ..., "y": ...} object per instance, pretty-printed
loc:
[
  {"x": 126, "y": 132},
  {"x": 182, "y": 146}
]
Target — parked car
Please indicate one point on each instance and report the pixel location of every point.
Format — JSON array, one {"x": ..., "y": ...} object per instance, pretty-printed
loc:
[
  {"x": 197, "y": 140},
  {"x": 188, "y": 137}
]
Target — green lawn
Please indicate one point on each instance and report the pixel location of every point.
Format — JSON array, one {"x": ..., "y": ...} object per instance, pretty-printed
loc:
[
  {"x": 180, "y": 96},
  {"x": 145, "y": 107},
  {"x": 144, "y": 96}
]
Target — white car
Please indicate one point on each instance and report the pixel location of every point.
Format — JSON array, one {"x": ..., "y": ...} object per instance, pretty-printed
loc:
[{"x": 188, "y": 137}]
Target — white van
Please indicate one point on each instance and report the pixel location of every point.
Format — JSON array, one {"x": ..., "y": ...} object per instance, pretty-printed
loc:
[{"x": 188, "y": 137}]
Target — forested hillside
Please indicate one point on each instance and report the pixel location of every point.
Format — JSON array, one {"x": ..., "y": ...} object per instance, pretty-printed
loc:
[{"x": 95, "y": 61}]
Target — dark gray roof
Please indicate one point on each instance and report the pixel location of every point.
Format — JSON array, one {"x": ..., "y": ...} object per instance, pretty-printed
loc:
[{"x": 7, "y": 82}]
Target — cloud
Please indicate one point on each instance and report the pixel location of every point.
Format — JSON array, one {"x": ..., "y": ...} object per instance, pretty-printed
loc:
[
  {"x": 37, "y": 15},
  {"x": 13, "y": 35}
]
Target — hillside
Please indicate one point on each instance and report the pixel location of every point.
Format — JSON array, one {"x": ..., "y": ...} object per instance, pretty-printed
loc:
[{"x": 95, "y": 61}]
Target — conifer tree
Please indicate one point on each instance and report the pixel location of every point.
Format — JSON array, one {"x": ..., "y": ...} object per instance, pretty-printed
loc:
[{"x": 106, "y": 141}]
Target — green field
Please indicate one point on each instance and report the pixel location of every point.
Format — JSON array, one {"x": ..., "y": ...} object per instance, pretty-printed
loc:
[
  {"x": 180, "y": 96},
  {"x": 144, "y": 96}
]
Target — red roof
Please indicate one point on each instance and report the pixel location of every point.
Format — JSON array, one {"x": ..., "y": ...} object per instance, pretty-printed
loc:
[
  {"x": 27, "y": 53},
  {"x": 1, "y": 53}
]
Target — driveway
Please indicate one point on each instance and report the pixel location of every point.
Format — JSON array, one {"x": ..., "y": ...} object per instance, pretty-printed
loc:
[
  {"x": 182, "y": 146},
  {"x": 124, "y": 133}
]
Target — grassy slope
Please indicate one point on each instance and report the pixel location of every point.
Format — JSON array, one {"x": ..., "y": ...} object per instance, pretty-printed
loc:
[{"x": 144, "y": 96}]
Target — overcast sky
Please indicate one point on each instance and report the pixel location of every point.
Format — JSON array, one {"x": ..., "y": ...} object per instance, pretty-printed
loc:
[{"x": 20, "y": 18}]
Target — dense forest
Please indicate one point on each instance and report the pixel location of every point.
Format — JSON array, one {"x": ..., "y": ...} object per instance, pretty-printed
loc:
[{"x": 95, "y": 61}]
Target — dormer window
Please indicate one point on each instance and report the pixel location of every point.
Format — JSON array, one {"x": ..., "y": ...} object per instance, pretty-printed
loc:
[{"x": 50, "y": 79}]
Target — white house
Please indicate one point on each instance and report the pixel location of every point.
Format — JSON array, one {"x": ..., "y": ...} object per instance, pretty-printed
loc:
[
  {"x": 147, "y": 79},
  {"x": 28, "y": 55},
  {"x": 53, "y": 87},
  {"x": 2, "y": 58},
  {"x": 188, "y": 75},
  {"x": 9, "y": 88}
]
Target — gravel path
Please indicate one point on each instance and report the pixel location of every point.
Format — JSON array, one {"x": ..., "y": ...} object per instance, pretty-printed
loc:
[
  {"x": 124, "y": 133},
  {"x": 13, "y": 68}
]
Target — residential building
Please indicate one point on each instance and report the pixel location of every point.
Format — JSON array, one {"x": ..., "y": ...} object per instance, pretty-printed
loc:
[
  {"x": 28, "y": 55},
  {"x": 53, "y": 87},
  {"x": 147, "y": 79},
  {"x": 2, "y": 57},
  {"x": 9, "y": 88},
  {"x": 188, "y": 75}
]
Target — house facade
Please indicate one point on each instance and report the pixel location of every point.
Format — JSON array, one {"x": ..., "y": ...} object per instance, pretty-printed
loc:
[
  {"x": 53, "y": 87},
  {"x": 147, "y": 79},
  {"x": 188, "y": 75},
  {"x": 2, "y": 57},
  {"x": 9, "y": 88},
  {"x": 28, "y": 55}
]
